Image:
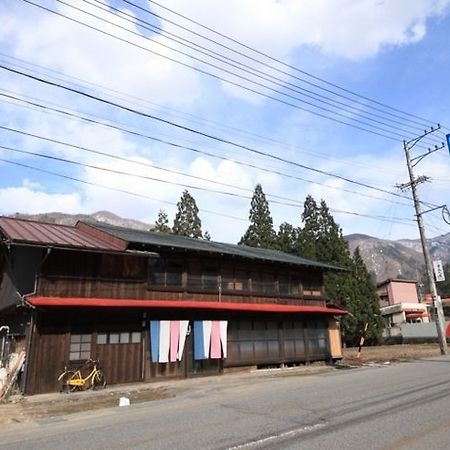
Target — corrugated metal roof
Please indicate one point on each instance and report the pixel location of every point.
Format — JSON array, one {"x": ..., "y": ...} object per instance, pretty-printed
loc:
[
  {"x": 148, "y": 238},
  {"x": 49, "y": 234}
]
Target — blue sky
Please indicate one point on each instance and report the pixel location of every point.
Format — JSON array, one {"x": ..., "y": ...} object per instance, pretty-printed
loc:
[{"x": 394, "y": 52}]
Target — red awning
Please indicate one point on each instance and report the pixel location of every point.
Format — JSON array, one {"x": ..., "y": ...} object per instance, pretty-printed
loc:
[
  {"x": 181, "y": 304},
  {"x": 415, "y": 316}
]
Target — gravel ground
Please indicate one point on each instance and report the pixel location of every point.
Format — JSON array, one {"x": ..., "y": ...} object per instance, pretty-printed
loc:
[{"x": 21, "y": 409}]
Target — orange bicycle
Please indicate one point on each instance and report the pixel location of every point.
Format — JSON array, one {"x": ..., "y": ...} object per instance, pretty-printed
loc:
[{"x": 73, "y": 379}]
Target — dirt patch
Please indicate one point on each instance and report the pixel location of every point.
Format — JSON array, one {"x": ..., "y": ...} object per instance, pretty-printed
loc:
[
  {"x": 21, "y": 409},
  {"x": 389, "y": 353}
]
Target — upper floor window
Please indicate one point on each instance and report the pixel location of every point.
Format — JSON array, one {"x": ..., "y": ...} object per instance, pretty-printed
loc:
[
  {"x": 235, "y": 280},
  {"x": 166, "y": 274},
  {"x": 312, "y": 283},
  {"x": 263, "y": 283},
  {"x": 210, "y": 278},
  {"x": 289, "y": 285},
  {"x": 204, "y": 278}
]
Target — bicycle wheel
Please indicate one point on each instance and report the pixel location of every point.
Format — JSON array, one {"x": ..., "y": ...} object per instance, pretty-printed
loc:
[
  {"x": 64, "y": 379},
  {"x": 99, "y": 380}
]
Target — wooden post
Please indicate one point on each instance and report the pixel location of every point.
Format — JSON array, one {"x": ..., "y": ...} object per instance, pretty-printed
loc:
[{"x": 361, "y": 341}]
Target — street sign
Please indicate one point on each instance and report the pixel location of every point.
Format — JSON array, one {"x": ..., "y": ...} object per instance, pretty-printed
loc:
[
  {"x": 438, "y": 270},
  {"x": 448, "y": 142}
]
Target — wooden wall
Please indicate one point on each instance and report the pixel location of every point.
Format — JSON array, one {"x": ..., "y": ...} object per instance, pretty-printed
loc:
[
  {"x": 78, "y": 274},
  {"x": 253, "y": 339},
  {"x": 274, "y": 341}
]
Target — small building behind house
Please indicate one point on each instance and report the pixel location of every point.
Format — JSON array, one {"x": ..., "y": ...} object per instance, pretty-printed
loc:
[{"x": 399, "y": 305}]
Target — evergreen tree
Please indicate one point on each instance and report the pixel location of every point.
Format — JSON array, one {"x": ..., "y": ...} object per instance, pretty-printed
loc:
[
  {"x": 260, "y": 232},
  {"x": 308, "y": 235},
  {"x": 286, "y": 239},
  {"x": 162, "y": 223},
  {"x": 330, "y": 245},
  {"x": 367, "y": 310},
  {"x": 321, "y": 238},
  {"x": 187, "y": 222},
  {"x": 206, "y": 236}
]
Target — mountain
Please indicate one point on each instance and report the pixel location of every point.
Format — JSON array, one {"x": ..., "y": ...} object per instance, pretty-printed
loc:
[
  {"x": 398, "y": 259},
  {"x": 72, "y": 219}
]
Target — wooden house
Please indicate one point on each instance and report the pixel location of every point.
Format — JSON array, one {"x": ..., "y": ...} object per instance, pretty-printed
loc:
[{"x": 153, "y": 305}]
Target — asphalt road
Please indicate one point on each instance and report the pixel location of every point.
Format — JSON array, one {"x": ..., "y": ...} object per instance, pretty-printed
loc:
[{"x": 403, "y": 406}]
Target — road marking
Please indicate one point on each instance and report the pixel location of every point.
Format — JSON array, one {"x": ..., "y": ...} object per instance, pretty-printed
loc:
[{"x": 286, "y": 434}]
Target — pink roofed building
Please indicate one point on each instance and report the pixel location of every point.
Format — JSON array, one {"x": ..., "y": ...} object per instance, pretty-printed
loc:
[{"x": 399, "y": 304}]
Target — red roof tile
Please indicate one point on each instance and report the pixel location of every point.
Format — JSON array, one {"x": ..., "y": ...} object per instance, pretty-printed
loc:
[{"x": 49, "y": 234}]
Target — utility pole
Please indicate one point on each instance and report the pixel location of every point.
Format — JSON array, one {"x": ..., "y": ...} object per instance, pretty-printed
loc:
[{"x": 414, "y": 181}]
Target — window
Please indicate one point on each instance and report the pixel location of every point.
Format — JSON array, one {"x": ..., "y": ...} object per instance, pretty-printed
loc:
[
  {"x": 80, "y": 347},
  {"x": 283, "y": 285},
  {"x": 312, "y": 285},
  {"x": 241, "y": 280},
  {"x": 210, "y": 279},
  {"x": 163, "y": 273},
  {"x": 263, "y": 283},
  {"x": 236, "y": 280},
  {"x": 203, "y": 277},
  {"x": 295, "y": 286},
  {"x": 124, "y": 337}
]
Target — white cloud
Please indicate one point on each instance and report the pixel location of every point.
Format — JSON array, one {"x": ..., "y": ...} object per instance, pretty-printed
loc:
[
  {"x": 353, "y": 29},
  {"x": 98, "y": 58},
  {"x": 31, "y": 199}
]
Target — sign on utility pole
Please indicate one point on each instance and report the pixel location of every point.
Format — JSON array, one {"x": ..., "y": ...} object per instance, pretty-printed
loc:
[
  {"x": 438, "y": 270},
  {"x": 414, "y": 181}
]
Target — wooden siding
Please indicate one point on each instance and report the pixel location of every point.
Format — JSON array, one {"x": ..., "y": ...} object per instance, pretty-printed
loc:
[
  {"x": 50, "y": 346},
  {"x": 127, "y": 276},
  {"x": 252, "y": 340},
  {"x": 49, "y": 352},
  {"x": 121, "y": 363},
  {"x": 258, "y": 342}
]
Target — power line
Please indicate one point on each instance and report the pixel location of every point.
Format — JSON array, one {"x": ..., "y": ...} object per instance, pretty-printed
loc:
[
  {"x": 197, "y": 132},
  {"x": 380, "y": 131},
  {"x": 399, "y": 220},
  {"x": 140, "y": 163},
  {"x": 252, "y": 81},
  {"x": 308, "y": 93},
  {"x": 110, "y": 188},
  {"x": 203, "y": 152},
  {"x": 425, "y": 122},
  {"x": 198, "y": 121}
]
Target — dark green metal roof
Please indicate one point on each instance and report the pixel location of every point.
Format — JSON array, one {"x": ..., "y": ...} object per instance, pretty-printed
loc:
[{"x": 149, "y": 238}]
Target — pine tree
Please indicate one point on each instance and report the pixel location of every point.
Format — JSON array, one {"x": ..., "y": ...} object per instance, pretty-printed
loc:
[
  {"x": 260, "y": 232},
  {"x": 162, "y": 223},
  {"x": 308, "y": 235},
  {"x": 286, "y": 240},
  {"x": 331, "y": 245},
  {"x": 321, "y": 238},
  {"x": 367, "y": 310},
  {"x": 187, "y": 222}
]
